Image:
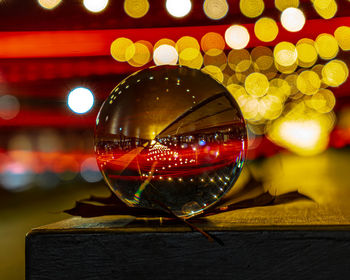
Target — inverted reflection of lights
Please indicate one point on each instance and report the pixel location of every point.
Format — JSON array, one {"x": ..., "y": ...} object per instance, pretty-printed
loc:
[
  {"x": 165, "y": 55},
  {"x": 49, "y": 4},
  {"x": 237, "y": 37},
  {"x": 95, "y": 6},
  {"x": 9, "y": 107},
  {"x": 16, "y": 177},
  {"x": 89, "y": 170},
  {"x": 215, "y": 9},
  {"x": 178, "y": 8},
  {"x": 80, "y": 100},
  {"x": 292, "y": 19}
]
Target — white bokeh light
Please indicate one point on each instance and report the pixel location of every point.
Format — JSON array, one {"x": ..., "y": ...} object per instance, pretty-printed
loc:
[
  {"x": 95, "y": 6},
  {"x": 292, "y": 19},
  {"x": 165, "y": 55},
  {"x": 237, "y": 37},
  {"x": 178, "y": 8},
  {"x": 89, "y": 170},
  {"x": 80, "y": 100}
]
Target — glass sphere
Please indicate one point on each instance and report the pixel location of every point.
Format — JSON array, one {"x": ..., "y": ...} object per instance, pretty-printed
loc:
[{"x": 170, "y": 138}]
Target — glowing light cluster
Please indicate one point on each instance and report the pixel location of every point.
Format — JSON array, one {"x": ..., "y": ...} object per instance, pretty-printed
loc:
[{"x": 165, "y": 54}]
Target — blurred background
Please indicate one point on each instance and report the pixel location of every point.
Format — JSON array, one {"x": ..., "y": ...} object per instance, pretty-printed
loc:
[{"x": 284, "y": 61}]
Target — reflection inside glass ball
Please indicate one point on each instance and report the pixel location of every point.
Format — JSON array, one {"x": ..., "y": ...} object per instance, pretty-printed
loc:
[{"x": 170, "y": 138}]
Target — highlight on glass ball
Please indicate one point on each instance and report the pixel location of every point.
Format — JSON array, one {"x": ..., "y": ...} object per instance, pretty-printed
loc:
[{"x": 170, "y": 138}]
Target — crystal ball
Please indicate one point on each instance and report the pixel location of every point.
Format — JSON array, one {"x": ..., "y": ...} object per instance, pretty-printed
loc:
[{"x": 170, "y": 138}]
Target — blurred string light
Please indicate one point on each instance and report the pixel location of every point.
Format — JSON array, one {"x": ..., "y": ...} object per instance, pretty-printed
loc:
[
  {"x": 215, "y": 9},
  {"x": 9, "y": 107},
  {"x": 281, "y": 5},
  {"x": 89, "y": 170},
  {"x": 325, "y": 8},
  {"x": 237, "y": 37},
  {"x": 95, "y": 6},
  {"x": 178, "y": 8},
  {"x": 342, "y": 35},
  {"x": 80, "y": 100},
  {"x": 326, "y": 46},
  {"x": 136, "y": 8},
  {"x": 251, "y": 8},
  {"x": 266, "y": 29},
  {"x": 292, "y": 19},
  {"x": 49, "y": 4},
  {"x": 165, "y": 55}
]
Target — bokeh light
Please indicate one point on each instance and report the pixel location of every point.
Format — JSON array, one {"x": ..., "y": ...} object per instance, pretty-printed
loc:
[
  {"x": 335, "y": 72},
  {"x": 323, "y": 101},
  {"x": 239, "y": 60},
  {"x": 218, "y": 60},
  {"x": 237, "y": 37},
  {"x": 308, "y": 82},
  {"x": 136, "y": 8},
  {"x": 186, "y": 42},
  {"x": 256, "y": 84},
  {"x": 16, "y": 177},
  {"x": 89, "y": 170},
  {"x": 80, "y": 100},
  {"x": 215, "y": 9},
  {"x": 192, "y": 58},
  {"x": 281, "y": 5},
  {"x": 49, "y": 4},
  {"x": 307, "y": 54},
  {"x": 325, "y": 8},
  {"x": 214, "y": 71},
  {"x": 292, "y": 19},
  {"x": 95, "y": 6},
  {"x": 119, "y": 47},
  {"x": 164, "y": 41},
  {"x": 9, "y": 107},
  {"x": 141, "y": 53},
  {"x": 213, "y": 43},
  {"x": 266, "y": 29},
  {"x": 326, "y": 46},
  {"x": 165, "y": 54},
  {"x": 342, "y": 35},
  {"x": 251, "y": 8},
  {"x": 178, "y": 8},
  {"x": 285, "y": 54},
  {"x": 262, "y": 58}
]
